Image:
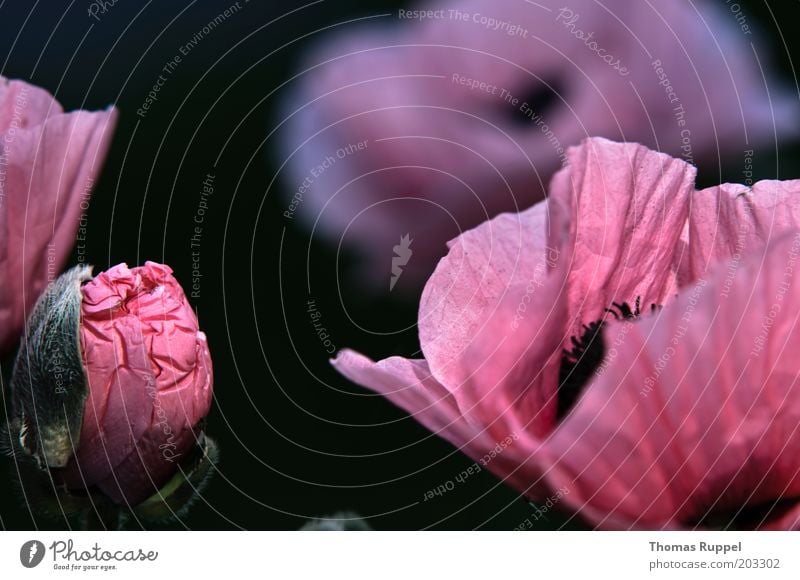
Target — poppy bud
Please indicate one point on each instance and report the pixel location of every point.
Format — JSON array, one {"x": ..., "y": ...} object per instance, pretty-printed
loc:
[{"x": 112, "y": 384}]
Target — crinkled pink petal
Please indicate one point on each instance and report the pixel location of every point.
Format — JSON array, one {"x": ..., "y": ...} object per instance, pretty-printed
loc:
[
  {"x": 49, "y": 162},
  {"x": 150, "y": 382},
  {"x": 730, "y": 221},
  {"x": 696, "y": 421},
  {"x": 627, "y": 211}
]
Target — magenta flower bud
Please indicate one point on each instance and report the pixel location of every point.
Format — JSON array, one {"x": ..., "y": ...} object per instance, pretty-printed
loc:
[{"x": 113, "y": 382}]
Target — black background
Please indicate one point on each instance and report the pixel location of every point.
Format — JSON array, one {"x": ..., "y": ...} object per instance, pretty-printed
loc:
[{"x": 297, "y": 440}]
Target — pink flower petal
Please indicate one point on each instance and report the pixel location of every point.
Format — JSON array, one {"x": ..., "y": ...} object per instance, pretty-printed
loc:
[
  {"x": 731, "y": 221},
  {"x": 470, "y": 283},
  {"x": 48, "y": 165},
  {"x": 490, "y": 327},
  {"x": 510, "y": 372},
  {"x": 628, "y": 206},
  {"x": 23, "y": 106},
  {"x": 696, "y": 421},
  {"x": 410, "y": 385},
  {"x": 491, "y": 319}
]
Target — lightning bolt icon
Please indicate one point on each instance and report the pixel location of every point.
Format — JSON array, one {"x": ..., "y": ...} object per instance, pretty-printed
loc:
[
  {"x": 402, "y": 254},
  {"x": 34, "y": 550}
]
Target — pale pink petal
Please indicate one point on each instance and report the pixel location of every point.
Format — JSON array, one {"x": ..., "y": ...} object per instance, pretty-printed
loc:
[
  {"x": 491, "y": 317},
  {"x": 491, "y": 326},
  {"x": 507, "y": 451},
  {"x": 730, "y": 221},
  {"x": 409, "y": 384},
  {"x": 23, "y": 106},
  {"x": 696, "y": 420},
  {"x": 48, "y": 173},
  {"x": 481, "y": 269},
  {"x": 628, "y": 208},
  {"x": 510, "y": 373}
]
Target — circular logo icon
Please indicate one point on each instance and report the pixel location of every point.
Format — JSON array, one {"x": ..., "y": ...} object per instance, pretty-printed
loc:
[{"x": 31, "y": 553}]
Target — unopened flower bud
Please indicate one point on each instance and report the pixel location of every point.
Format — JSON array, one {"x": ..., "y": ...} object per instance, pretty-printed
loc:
[{"x": 112, "y": 383}]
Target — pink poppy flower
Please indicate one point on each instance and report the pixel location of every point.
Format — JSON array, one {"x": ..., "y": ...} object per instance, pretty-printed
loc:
[
  {"x": 49, "y": 162},
  {"x": 136, "y": 382},
  {"x": 540, "y": 330},
  {"x": 430, "y": 127}
]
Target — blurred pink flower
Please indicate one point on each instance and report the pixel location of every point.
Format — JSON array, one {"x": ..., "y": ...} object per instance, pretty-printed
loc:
[
  {"x": 430, "y": 127},
  {"x": 577, "y": 294},
  {"x": 49, "y": 162},
  {"x": 149, "y": 380}
]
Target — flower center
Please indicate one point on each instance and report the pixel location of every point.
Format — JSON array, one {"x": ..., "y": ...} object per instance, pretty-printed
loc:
[{"x": 587, "y": 353}]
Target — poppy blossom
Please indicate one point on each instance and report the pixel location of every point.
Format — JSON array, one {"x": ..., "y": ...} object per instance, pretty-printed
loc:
[
  {"x": 533, "y": 320},
  {"x": 454, "y": 113},
  {"x": 49, "y": 162}
]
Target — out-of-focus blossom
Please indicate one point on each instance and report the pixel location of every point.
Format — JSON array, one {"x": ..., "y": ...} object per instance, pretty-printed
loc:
[
  {"x": 49, "y": 161},
  {"x": 555, "y": 345},
  {"x": 430, "y": 126},
  {"x": 115, "y": 403}
]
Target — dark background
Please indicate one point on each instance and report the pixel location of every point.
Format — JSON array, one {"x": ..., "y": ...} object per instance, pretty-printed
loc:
[{"x": 297, "y": 440}]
